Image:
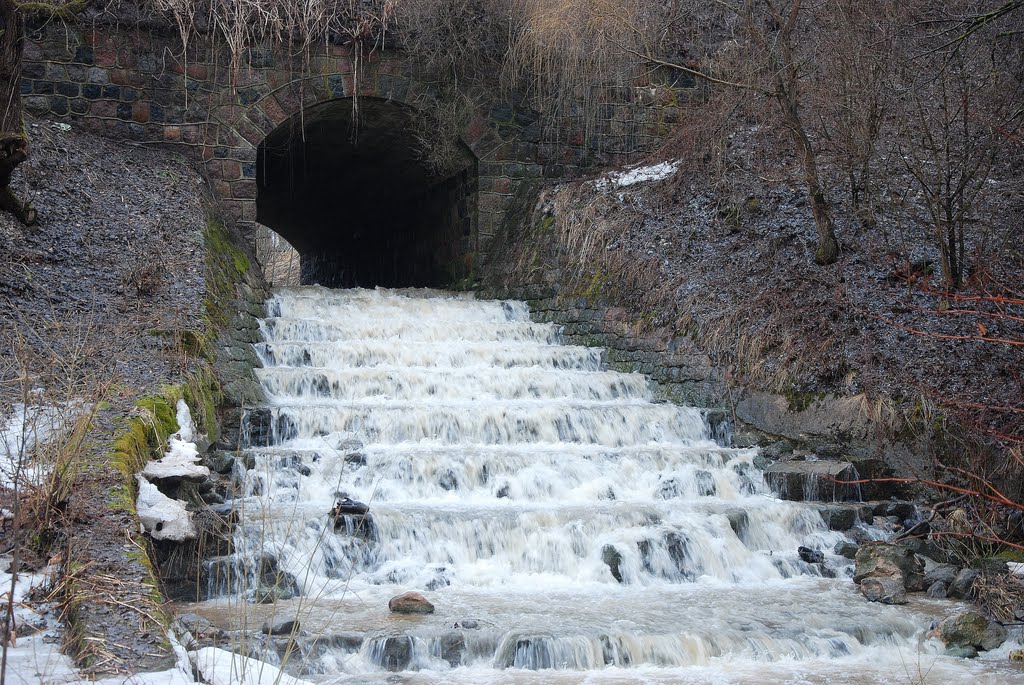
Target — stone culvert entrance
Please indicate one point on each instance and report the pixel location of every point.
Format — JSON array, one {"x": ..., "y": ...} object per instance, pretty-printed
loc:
[{"x": 349, "y": 185}]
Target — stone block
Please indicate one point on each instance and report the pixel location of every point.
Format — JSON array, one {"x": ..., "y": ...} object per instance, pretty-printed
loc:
[
  {"x": 98, "y": 75},
  {"x": 84, "y": 55},
  {"x": 59, "y": 105},
  {"x": 244, "y": 190},
  {"x": 140, "y": 112},
  {"x": 273, "y": 111}
]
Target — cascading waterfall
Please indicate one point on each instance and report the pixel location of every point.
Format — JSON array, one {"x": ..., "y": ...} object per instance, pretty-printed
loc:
[{"x": 567, "y": 527}]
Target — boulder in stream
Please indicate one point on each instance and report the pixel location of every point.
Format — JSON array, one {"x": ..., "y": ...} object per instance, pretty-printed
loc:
[
  {"x": 410, "y": 603},
  {"x": 940, "y": 572},
  {"x": 970, "y": 629},
  {"x": 349, "y": 507},
  {"x": 613, "y": 559},
  {"x": 391, "y": 652},
  {"x": 273, "y": 584},
  {"x": 811, "y": 556},
  {"x": 883, "y": 559},
  {"x": 884, "y": 589},
  {"x": 281, "y": 625}
]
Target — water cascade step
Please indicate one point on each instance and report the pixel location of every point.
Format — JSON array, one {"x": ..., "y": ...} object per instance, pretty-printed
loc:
[{"x": 565, "y": 526}]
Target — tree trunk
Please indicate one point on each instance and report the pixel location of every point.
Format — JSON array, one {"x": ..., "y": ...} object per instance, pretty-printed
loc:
[
  {"x": 13, "y": 138},
  {"x": 828, "y": 247}
]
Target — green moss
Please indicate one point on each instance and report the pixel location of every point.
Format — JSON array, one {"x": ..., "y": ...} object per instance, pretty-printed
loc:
[
  {"x": 1011, "y": 554},
  {"x": 800, "y": 401},
  {"x": 226, "y": 263},
  {"x": 597, "y": 288}
]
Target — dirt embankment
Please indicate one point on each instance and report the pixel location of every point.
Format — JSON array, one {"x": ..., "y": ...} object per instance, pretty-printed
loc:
[
  {"x": 720, "y": 252},
  {"x": 89, "y": 299}
]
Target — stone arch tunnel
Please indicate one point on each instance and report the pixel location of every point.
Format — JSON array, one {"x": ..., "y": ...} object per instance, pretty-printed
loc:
[{"x": 348, "y": 184}]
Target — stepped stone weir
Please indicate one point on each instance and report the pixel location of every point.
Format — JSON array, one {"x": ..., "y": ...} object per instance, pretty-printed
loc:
[{"x": 564, "y": 526}]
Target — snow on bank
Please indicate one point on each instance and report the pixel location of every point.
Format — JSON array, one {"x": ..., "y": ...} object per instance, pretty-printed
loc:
[
  {"x": 640, "y": 174},
  {"x": 162, "y": 517},
  {"x": 26, "y": 429},
  {"x": 221, "y": 667},
  {"x": 33, "y": 657}
]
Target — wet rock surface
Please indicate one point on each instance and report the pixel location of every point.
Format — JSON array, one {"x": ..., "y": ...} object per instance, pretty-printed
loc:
[
  {"x": 887, "y": 590},
  {"x": 882, "y": 559},
  {"x": 971, "y": 629},
  {"x": 410, "y": 603}
]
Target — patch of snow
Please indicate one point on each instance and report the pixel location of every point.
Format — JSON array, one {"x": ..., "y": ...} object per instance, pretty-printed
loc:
[
  {"x": 162, "y": 517},
  {"x": 179, "y": 462},
  {"x": 34, "y": 656},
  {"x": 26, "y": 428},
  {"x": 641, "y": 174},
  {"x": 186, "y": 429},
  {"x": 221, "y": 667}
]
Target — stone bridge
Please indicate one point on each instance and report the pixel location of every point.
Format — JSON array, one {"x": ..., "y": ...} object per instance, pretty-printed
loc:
[{"x": 325, "y": 153}]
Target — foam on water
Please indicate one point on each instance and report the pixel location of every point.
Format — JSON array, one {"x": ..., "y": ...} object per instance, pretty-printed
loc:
[{"x": 568, "y": 528}]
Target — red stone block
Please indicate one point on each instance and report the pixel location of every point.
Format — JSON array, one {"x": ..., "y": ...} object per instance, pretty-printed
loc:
[
  {"x": 503, "y": 185},
  {"x": 273, "y": 110},
  {"x": 221, "y": 189},
  {"x": 249, "y": 210},
  {"x": 232, "y": 208},
  {"x": 225, "y": 169},
  {"x": 140, "y": 112},
  {"x": 106, "y": 58},
  {"x": 172, "y": 134}
]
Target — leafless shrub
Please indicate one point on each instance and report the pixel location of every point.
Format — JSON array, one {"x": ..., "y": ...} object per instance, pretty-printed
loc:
[{"x": 145, "y": 279}]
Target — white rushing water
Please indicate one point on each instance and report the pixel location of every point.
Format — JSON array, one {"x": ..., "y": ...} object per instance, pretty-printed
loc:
[{"x": 567, "y": 527}]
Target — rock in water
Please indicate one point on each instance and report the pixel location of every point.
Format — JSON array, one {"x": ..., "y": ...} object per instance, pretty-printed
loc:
[
  {"x": 971, "y": 629},
  {"x": 393, "y": 652},
  {"x": 349, "y": 507},
  {"x": 882, "y": 559},
  {"x": 284, "y": 625},
  {"x": 613, "y": 559},
  {"x": 887, "y": 590},
  {"x": 811, "y": 556},
  {"x": 410, "y": 603}
]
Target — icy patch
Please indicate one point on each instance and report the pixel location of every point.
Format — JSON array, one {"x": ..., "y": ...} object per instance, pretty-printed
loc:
[
  {"x": 27, "y": 428},
  {"x": 221, "y": 667},
  {"x": 186, "y": 428},
  {"x": 179, "y": 462},
  {"x": 162, "y": 517},
  {"x": 643, "y": 174},
  {"x": 34, "y": 656}
]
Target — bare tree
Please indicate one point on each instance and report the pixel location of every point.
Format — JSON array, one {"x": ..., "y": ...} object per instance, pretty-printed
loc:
[
  {"x": 761, "y": 55},
  {"x": 962, "y": 112}
]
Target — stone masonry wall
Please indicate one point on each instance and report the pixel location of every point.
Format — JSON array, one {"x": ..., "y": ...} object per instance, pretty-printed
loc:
[{"x": 139, "y": 85}]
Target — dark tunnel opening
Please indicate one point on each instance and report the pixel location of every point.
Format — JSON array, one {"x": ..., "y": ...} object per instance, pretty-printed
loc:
[{"x": 361, "y": 206}]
